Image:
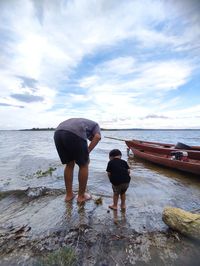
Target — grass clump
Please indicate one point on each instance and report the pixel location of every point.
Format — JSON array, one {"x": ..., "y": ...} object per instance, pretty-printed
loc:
[
  {"x": 41, "y": 173},
  {"x": 62, "y": 257}
]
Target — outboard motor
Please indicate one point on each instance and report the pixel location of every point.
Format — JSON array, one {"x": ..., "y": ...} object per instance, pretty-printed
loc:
[{"x": 179, "y": 155}]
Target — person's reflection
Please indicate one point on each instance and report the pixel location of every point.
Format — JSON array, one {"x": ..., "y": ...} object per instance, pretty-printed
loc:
[
  {"x": 115, "y": 216},
  {"x": 81, "y": 212},
  {"x": 69, "y": 210},
  {"x": 123, "y": 216},
  {"x": 119, "y": 217},
  {"x": 75, "y": 213}
]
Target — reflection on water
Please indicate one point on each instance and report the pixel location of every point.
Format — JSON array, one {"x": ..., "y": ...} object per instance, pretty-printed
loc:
[
  {"x": 76, "y": 214},
  {"x": 69, "y": 211},
  {"x": 90, "y": 213},
  {"x": 119, "y": 217}
]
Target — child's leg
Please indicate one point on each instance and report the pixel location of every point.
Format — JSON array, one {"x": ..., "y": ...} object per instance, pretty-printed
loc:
[
  {"x": 115, "y": 201},
  {"x": 123, "y": 200},
  {"x": 124, "y": 188}
]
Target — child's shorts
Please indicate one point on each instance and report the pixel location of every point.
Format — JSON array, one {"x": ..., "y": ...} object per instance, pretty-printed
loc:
[{"x": 120, "y": 189}]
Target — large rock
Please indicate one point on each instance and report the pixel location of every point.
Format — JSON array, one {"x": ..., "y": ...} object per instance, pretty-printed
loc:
[{"x": 182, "y": 221}]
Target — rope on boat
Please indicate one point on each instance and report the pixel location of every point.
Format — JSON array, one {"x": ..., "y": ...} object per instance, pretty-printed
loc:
[{"x": 115, "y": 138}]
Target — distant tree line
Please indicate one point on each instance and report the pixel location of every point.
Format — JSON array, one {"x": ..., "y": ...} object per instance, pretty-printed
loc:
[
  {"x": 114, "y": 129},
  {"x": 38, "y": 129}
]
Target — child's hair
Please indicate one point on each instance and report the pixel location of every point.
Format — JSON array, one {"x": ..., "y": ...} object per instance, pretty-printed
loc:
[{"x": 114, "y": 153}]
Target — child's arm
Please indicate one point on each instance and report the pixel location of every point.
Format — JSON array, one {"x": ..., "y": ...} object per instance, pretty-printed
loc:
[
  {"x": 109, "y": 174},
  {"x": 128, "y": 168}
]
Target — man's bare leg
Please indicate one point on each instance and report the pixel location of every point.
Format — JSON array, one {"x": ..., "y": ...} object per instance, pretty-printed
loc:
[
  {"x": 68, "y": 177},
  {"x": 83, "y": 178}
]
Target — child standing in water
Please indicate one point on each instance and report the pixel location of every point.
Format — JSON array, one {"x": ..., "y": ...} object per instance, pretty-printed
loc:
[{"x": 119, "y": 174}]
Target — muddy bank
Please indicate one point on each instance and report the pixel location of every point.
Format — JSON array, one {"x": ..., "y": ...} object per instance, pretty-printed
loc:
[{"x": 36, "y": 222}]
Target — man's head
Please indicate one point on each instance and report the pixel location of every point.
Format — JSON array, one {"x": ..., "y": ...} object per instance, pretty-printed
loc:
[{"x": 115, "y": 153}]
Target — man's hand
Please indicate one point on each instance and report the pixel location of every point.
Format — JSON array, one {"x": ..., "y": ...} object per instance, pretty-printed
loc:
[{"x": 95, "y": 140}]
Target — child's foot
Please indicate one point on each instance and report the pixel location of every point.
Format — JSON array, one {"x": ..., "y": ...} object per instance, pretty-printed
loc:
[
  {"x": 70, "y": 197},
  {"x": 112, "y": 207},
  {"x": 84, "y": 198}
]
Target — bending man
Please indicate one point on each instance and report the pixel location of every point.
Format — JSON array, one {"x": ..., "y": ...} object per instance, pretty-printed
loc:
[{"x": 71, "y": 143}]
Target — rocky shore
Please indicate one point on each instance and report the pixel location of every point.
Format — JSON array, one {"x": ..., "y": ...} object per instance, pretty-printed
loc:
[{"x": 36, "y": 224}]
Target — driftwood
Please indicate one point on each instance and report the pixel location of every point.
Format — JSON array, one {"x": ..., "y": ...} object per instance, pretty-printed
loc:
[{"x": 182, "y": 221}]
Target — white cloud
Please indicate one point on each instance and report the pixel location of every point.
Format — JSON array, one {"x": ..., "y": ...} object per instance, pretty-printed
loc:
[
  {"x": 143, "y": 51},
  {"x": 157, "y": 77},
  {"x": 118, "y": 66},
  {"x": 164, "y": 75}
]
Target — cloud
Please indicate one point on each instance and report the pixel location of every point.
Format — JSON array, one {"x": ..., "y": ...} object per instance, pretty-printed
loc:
[
  {"x": 107, "y": 60},
  {"x": 154, "y": 116},
  {"x": 121, "y": 80},
  {"x": 27, "y": 98},
  {"x": 6, "y": 104},
  {"x": 28, "y": 82}
]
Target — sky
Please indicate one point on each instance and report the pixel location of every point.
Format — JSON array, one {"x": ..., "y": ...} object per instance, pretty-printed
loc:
[{"x": 123, "y": 64}]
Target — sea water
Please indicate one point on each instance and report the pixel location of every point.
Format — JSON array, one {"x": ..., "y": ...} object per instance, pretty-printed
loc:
[
  {"x": 29, "y": 162},
  {"x": 24, "y": 153}
]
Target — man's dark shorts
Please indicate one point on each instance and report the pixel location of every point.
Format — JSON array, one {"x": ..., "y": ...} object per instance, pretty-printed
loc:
[
  {"x": 70, "y": 147},
  {"x": 120, "y": 189}
]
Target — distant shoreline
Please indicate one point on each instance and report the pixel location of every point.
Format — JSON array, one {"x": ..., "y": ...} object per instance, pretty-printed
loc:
[
  {"x": 121, "y": 129},
  {"x": 111, "y": 129},
  {"x": 151, "y": 129}
]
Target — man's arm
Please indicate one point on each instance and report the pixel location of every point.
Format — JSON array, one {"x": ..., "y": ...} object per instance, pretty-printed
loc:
[{"x": 94, "y": 142}]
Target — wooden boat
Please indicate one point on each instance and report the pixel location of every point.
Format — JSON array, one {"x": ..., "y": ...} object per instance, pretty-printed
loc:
[
  {"x": 189, "y": 165},
  {"x": 164, "y": 148}
]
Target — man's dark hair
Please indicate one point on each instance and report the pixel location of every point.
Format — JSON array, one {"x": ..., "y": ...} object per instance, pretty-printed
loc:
[{"x": 114, "y": 153}]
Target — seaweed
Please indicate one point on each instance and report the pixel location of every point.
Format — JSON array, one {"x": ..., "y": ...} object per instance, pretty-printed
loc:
[{"x": 41, "y": 173}]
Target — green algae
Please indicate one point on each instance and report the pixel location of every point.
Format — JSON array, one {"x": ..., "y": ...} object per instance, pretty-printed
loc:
[
  {"x": 49, "y": 171},
  {"x": 62, "y": 257}
]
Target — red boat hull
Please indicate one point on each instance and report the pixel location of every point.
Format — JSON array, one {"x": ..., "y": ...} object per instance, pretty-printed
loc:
[
  {"x": 190, "y": 166},
  {"x": 162, "y": 148}
]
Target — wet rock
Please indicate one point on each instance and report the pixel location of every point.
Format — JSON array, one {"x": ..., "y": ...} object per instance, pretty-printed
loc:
[
  {"x": 70, "y": 235},
  {"x": 90, "y": 232},
  {"x": 182, "y": 221},
  {"x": 36, "y": 192},
  {"x": 91, "y": 236}
]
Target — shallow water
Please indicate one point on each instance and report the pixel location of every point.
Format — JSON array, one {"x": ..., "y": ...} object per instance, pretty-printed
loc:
[
  {"x": 24, "y": 153},
  {"x": 29, "y": 198}
]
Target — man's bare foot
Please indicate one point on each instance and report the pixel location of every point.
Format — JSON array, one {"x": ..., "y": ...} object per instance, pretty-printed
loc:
[
  {"x": 69, "y": 197},
  {"x": 112, "y": 207},
  {"x": 84, "y": 198}
]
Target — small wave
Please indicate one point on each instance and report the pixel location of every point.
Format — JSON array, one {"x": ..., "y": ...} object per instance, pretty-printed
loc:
[{"x": 32, "y": 192}]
